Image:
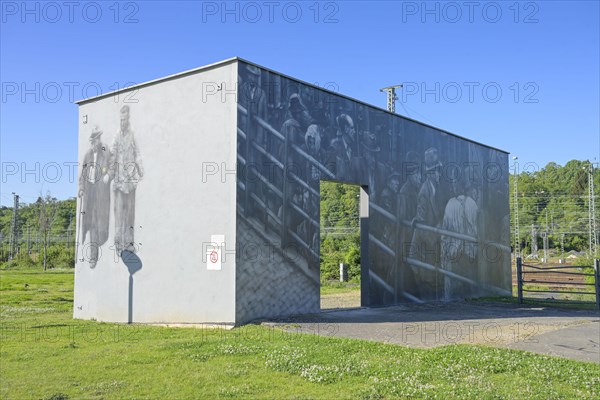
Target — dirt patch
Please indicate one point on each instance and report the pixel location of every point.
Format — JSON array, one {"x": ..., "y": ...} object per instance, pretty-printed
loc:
[{"x": 340, "y": 300}]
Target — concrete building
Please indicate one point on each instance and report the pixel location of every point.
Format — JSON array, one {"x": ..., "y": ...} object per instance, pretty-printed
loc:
[{"x": 199, "y": 200}]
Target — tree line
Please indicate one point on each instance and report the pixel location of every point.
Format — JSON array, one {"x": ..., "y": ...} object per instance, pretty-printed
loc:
[
  {"x": 44, "y": 236},
  {"x": 553, "y": 200}
]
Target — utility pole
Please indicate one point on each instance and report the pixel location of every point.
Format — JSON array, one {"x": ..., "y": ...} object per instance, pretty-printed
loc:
[
  {"x": 546, "y": 239},
  {"x": 534, "y": 244},
  {"x": 69, "y": 231},
  {"x": 592, "y": 210},
  {"x": 562, "y": 248},
  {"x": 28, "y": 240},
  {"x": 15, "y": 227},
  {"x": 391, "y": 97},
  {"x": 516, "y": 206}
]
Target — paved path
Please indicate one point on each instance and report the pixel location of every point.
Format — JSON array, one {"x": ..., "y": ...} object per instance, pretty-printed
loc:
[
  {"x": 580, "y": 342},
  {"x": 560, "y": 332}
]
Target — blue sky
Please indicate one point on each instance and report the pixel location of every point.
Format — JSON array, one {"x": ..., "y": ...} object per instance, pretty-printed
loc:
[{"x": 523, "y": 77}]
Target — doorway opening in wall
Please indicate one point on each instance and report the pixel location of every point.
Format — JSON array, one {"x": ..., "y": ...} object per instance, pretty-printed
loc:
[{"x": 340, "y": 247}]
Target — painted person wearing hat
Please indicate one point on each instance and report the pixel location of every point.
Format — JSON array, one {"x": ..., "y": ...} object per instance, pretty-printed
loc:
[
  {"x": 343, "y": 148},
  {"x": 254, "y": 100},
  {"x": 94, "y": 194},
  {"x": 384, "y": 265},
  {"x": 293, "y": 129},
  {"x": 425, "y": 244},
  {"x": 409, "y": 191},
  {"x": 461, "y": 216},
  {"x": 374, "y": 172},
  {"x": 297, "y": 121},
  {"x": 311, "y": 174},
  {"x": 407, "y": 211},
  {"x": 126, "y": 170}
]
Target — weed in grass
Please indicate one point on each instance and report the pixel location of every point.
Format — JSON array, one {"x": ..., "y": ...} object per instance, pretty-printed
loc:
[
  {"x": 239, "y": 348},
  {"x": 236, "y": 370},
  {"x": 242, "y": 391},
  {"x": 103, "y": 388},
  {"x": 12, "y": 311},
  {"x": 57, "y": 396}
]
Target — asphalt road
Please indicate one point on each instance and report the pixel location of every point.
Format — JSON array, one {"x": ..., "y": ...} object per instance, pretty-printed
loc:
[{"x": 558, "y": 332}]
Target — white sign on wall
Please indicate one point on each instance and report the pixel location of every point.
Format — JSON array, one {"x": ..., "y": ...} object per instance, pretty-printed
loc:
[{"x": 213, "y": 253}]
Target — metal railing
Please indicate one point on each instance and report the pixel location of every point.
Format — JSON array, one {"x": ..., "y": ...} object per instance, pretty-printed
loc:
[{"x": 550, "y": 283}]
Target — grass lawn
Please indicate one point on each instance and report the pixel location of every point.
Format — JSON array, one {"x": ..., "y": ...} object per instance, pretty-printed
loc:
[
  {"x": 336, "y": 287},
  {"x": 46, "y": 354}
]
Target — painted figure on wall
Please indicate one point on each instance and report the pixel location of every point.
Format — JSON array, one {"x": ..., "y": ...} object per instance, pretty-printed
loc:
[
  {"x": 304, "y": 136},
  {"x": 296, "y": 123},
  {"x": 344, "y": 149},
  {"x": 389, "y": 201},
  {"x": 312, "y": 175},
  {"x": 374, "y": 171},
  {"x": 407, "y": 211},
  {"x": 254, "y": 100},
  {"x": 94, "y": 192},
  {"x": 126, "y": 170},
  {"x": 459, "y": 255},
  {"x": 425, "y": 244}
]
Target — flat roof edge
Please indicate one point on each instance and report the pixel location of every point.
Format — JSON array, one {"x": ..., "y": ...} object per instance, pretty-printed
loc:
[{"x": 159, "y": 80}]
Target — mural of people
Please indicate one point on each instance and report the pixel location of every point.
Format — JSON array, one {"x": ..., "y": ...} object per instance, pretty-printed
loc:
[
  {"x": 425, "y": 244},
  {"x": 384, "y": 228},
  {"x": 407, "y": 211},
  {"x": 312, "y": 175},
  {"x": 126, "y": 170},
  {"x": 389, "y": 201},
  {"x": 374, "y": 171},
  {"x": 344, "y": 149},
  {"x": 295, "y": 131},
  {"x": 94, "y": 192},
  {"x": 409, "y": 192},
  {"x": 459, "y": 255},
  {"x": 306, "y": 136},
  {"x": 297, "y": 122},
  {"x": 253, "y": 98}
]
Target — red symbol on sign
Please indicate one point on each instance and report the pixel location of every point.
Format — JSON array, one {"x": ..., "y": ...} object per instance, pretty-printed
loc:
[{"x": 214, "y": 257}]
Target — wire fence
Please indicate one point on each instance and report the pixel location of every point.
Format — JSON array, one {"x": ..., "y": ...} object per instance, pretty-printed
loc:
[{"x": 33, "y": 245}]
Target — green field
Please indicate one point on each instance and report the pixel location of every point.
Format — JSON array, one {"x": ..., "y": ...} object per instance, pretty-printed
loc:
[{"x": 45, "y": 354}]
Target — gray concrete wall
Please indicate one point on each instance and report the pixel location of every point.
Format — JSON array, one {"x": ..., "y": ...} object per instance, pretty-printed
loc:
[{"x": 178, "y": 133}]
